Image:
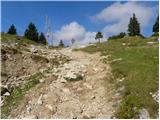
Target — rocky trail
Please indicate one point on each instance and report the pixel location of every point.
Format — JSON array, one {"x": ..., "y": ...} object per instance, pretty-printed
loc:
[{"x": 79, "y": 88}]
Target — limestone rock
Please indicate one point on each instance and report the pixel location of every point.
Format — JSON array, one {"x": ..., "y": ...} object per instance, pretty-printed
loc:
[
  {"x": 71, "y": 75},
  {"x": 143, "y": 114},
  {"x": 6, "y": 94},
  {"x": 155, "y": 96},
  {"x": 41, "y": 80},
  {"x": 51, "y": 108},
  {"x": 62, "y": 80},
  {"x": 34, "y": 50}
]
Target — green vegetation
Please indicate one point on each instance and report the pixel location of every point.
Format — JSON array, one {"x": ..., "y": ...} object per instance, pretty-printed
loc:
[
  {"x": 156, "y": 26},
  {"x": 38, "y": 58},
  {"x": 42, "y": 39},
  {"x": 99, "y": 36},
  {"x": 54, "y": 47},
  {"x": 59, "y": 60},
  {"x": 139, "y": 68},
  {"x": 13, "y": 39},
  {"x": 12, "y": 30},
  {"x": 61, "y": 44},
  {"x": 90, "y": 49},
  {"x": 133, "y": 26},
  {"x": 120, "y": 35},
  {"x": 31, "y": 32}
]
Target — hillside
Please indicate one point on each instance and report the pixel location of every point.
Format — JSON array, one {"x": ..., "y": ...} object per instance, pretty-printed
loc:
[
  {"x": 44, "y": 83},
  {"x": 114, "y": 79},
  {"x": 134, "y": 64}
]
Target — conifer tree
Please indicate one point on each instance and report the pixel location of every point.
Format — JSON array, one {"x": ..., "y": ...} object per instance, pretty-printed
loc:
[
  {"x": 156, "y": 26},
  {"x": 42, "y": 39},
  {"x": 133, "y": 26},
  {"x": 99, "y": 36},
  {"x": 31, "y": 32},
  {"x": 61, "y": 44},
  {"x": 73, "y": 41},
  {"x": 12, "y": 30}
]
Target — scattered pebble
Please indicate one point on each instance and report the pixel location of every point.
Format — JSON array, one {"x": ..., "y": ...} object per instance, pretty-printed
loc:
[{"x": 39, "y": 102}]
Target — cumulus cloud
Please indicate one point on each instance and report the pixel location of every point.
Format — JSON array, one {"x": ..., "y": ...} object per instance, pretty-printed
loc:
[
  {"x": 72, "y": 30},
  {"x": 118, "y": 14},
  {"x": 88, "y": 38},
  {"x": 75, "y": 31}
]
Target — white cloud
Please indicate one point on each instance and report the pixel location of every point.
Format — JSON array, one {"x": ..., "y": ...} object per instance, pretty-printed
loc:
[
  {"x": 72, "y": 30},
  {"x": 118, "y": 15},
  {"x": 88, "y": 38},
  {"x": 76, "y": 31}
]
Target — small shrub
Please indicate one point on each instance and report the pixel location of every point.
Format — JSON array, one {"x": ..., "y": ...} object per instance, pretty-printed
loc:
[
  {"x": 38, "y": 58},
  {"x": 120, "y": 35}
]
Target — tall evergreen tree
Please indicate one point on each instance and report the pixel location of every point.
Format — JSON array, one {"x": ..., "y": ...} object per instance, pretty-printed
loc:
[
  {"x": 42, "y": 39},
  {"x": 12, "y": 30},
  {"x": 73, "y": 41},
  {"x": 99, "y": 36},
  {"x": 31, "y": 32},
  {"x": 156, "y": 26},
  {"x": 61, "y": 44},
  {"x": 133, "y": 26}
]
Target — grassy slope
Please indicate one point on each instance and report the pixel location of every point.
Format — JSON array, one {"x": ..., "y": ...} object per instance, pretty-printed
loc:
[
  {"x": 139, "y": 67},
  {"x": 6, "y": 38},
  {"x": 18, "y": 92},
  {"x": 12, "y": 39}
]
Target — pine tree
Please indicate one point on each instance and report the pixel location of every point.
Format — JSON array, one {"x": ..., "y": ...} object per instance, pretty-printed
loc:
[
  {"x": 73, "y": 41},
  {"x": 61, "y": 44},
  {"x": 12, "y": 30},
  {"x": 31, "y": 32},
  {"x": 42, "y": 39},
  {"x": 133, "y": 26},
  {"x": 156, "y": 26},
  {"x": 99, "y": 36}
]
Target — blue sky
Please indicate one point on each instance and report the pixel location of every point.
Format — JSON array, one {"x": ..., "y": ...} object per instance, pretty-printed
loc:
[{"x": 84, "y": 17}]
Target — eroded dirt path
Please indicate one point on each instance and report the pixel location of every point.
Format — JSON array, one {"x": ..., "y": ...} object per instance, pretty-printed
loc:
[{"x": 92, "y": 97}]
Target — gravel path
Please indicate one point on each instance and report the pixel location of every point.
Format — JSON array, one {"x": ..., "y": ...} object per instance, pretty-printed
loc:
[{"x": 55, "y": 97}]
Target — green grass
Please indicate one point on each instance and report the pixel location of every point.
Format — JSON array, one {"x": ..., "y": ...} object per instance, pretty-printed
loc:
[
  {"x": 59, "y": 60},
  {"x": 139, "y": 67},
  {"x": 90, "y": 49},
  {"x": 38, "y": 58},
  {"x": 55, "y": 47},
  {"x": 9, "y": 39}
]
